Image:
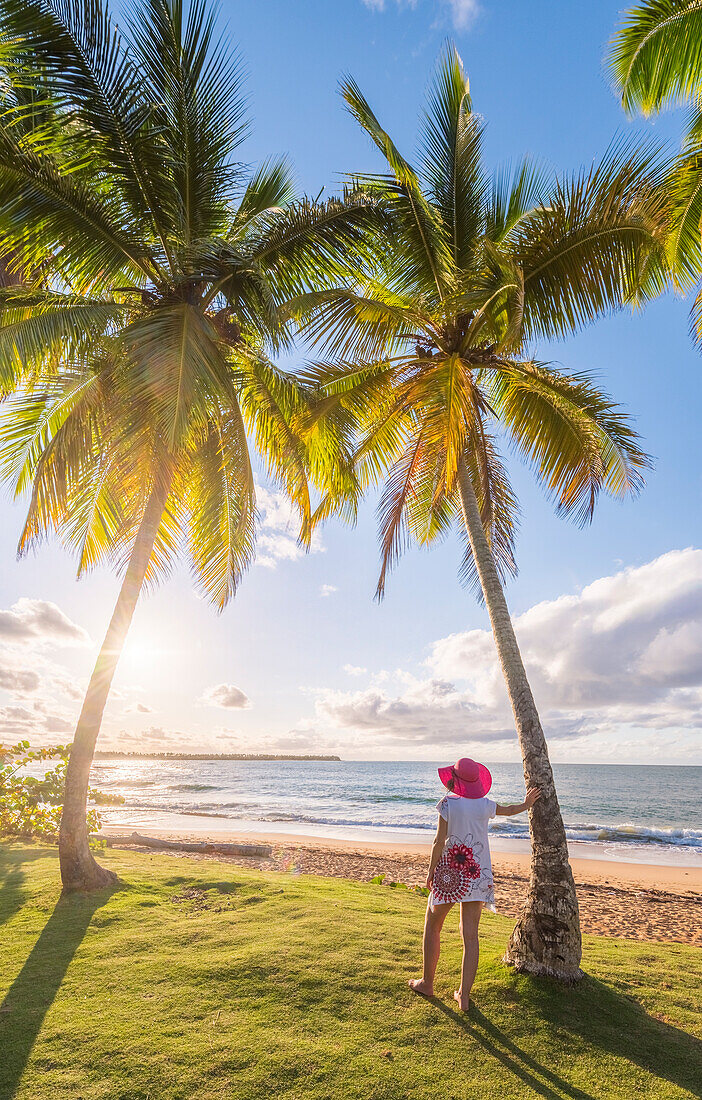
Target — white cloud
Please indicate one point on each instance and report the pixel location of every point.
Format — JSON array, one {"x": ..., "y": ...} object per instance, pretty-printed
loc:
[
  {"x": 631, "y": 641},
  {"x": 354, "y": 670},
  {"x": 32, "y": 621},
  {"x": 227, "y": 696},
  {"x": 19, "y": 680},
  {"x": 54, "y": 724},
  {"x": 152, "y": 739},
  {"x": 43, "y": 695},
  {"x": 431, "y": 711},
  {"x": 279, "y": 526},
  {"x": 381, "y": 5},
  {"x": 138, "y": 708},
  {"x": 607, "y": 665},
  {"x": 327, "y": 590},
  {"x": 462, "y": 12}
]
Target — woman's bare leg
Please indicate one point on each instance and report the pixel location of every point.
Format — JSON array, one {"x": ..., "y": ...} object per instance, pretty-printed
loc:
[
  {"x": 471, "y": 912},
  {"x": 431, "y": 946}
]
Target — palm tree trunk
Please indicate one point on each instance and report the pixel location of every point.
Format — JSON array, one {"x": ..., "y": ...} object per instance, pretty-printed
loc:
[
  {"x": 546, "y": 939},
  {"x": 79, "y": 870}
]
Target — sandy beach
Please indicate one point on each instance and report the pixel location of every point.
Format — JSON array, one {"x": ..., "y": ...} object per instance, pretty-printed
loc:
[{"x": 629, "y": 900}]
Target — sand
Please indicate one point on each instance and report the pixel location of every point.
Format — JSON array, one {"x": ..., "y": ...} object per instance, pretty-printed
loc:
[{"x": 628, "y": 900}]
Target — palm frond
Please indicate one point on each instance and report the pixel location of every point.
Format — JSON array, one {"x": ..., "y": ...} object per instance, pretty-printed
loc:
[
  {"x": 598, "y": 243},
  {"x": 451, "y": 160},
  {"x": 221, "y": 500},
  {"x": 77, "y": 53},
  {"x": 514, "y": 192},
  {"x": 195, "y": 83},
  {"x": 314, "y": 244},
  {"x": 416, "y": 220},
  {"x": 448, "y": 399},
  {"x": 684, "y": 187},
  {"x": 656, "y": 55},
  {"x": 575, "y": 439},
  {"x": 392, "y": 509},
  {"x": 498, "y": 505},
  {"x": 30, "y": 419},
  {"x": 45, "y": 209},
  {"x": 272, "y": 187},
  {"x": 173, "y": 367},
  {"x": 41, "y": 327},
  {"x": 351, "y": 327},
  {"x": 276, "y": 412}
]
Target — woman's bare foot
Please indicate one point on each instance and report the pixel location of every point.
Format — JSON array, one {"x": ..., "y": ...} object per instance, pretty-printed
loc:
[
  {"x": 463, "y": 1002},
  {"x": 418, "y": 985}
]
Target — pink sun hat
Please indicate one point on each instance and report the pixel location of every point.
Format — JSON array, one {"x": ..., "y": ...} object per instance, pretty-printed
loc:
[{"x": 470, "y": 779}]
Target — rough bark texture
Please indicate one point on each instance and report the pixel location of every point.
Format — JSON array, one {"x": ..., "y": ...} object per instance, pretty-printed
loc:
[
  {"x": 79, "y": 870},
  {"x": 546, "y": 939}
]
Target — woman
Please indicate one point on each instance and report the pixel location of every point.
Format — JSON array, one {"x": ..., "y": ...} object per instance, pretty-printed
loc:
[{"x": 460, "y": 871}]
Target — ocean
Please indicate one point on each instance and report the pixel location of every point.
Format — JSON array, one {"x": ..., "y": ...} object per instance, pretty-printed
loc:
[{"x": 648, "y": 814}]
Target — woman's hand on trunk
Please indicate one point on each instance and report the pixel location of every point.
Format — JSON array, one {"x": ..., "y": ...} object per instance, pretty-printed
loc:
[{"x": 532, "y": 795}]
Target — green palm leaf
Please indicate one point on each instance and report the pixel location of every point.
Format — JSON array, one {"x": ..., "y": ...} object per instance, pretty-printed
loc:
[
  {"x": 221, "y": 502},
  {"x": 195, "y": 82},
  {"x": 656, "y": 56},
  {"x": 79, "y": 56},
  {"x": 44, "y": 327},
  {"x": 425, "y": 246},
  {"x": 576, "y": 440},
  {"x": 452, "y": 146},
  {"x": 597, "y": 243}
]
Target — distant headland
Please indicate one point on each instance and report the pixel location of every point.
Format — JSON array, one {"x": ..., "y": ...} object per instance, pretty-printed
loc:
[{"x": 205, "y": 756}]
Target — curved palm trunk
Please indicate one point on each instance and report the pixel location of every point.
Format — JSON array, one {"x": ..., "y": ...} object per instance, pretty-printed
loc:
[
  {"x": 79, "y": 871},
  {"x": 546, "y": 939}
]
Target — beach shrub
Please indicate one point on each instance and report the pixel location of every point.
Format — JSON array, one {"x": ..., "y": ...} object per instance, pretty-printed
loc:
[
  {"x": 31, "y": 806},
  {"x": 379, "y": 880}
]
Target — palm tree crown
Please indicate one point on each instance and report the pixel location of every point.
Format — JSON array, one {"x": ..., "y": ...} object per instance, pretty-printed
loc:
[
  {"x": 152, "y": 276},
  {"x": 429, "y": 353}
]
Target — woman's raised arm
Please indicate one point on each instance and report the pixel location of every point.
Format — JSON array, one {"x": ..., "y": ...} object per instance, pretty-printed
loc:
[{"x": 517, "y": 808}]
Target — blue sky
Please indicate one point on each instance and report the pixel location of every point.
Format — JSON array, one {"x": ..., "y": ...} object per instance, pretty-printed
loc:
[{"x": 608, "y": 617}]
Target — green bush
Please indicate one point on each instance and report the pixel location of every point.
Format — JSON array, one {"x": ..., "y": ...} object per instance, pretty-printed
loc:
[{"x": 32, "y": 807}]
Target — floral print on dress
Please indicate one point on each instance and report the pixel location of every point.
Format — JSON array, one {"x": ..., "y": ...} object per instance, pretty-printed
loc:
[
  {"x": 459, "y": 876},
  {"x": 455, "y": 873}
]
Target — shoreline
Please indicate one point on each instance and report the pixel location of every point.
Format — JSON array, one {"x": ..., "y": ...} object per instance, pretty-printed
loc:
[
  {"x": 167, "y": 824},
  {"x": 515, "y": 860},
  {"x": 629, "y": 900}
]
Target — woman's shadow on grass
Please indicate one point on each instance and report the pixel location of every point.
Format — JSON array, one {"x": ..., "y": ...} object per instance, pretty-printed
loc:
[
  {"x": 601, "y": 1017},
  {"x": 32, "y": 992},
  {"x": 516, "y": 1061}
]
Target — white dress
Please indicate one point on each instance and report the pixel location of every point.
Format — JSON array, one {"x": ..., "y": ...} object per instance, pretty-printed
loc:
[{"x": 464, "y": 871}]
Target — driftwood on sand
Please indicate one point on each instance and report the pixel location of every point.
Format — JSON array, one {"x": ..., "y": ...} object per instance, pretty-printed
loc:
[{"x": 114, "y": 839}]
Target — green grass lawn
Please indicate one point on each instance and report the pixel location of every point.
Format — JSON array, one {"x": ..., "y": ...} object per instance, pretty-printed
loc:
[{"x": 199, "y": 980}]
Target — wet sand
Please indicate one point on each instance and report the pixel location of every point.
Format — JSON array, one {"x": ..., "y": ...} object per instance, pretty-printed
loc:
[{"x": 629, "y": 900}]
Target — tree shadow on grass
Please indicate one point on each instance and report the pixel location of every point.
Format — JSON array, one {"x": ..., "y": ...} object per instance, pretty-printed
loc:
[
  {"x": 621, "y": 1026},
  {"x": 220, "y": 886},
  {"x": 33, "y": 991},
  {"x": 12, "y": 877},
  {"x": 602, "y": 1018}
]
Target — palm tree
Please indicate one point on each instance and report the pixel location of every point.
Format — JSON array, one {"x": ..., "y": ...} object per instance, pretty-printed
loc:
[
  {"x": 428, "y": 356},
  {"x": 656, "y": 61},
  {"x": 136, "y": 356}
]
